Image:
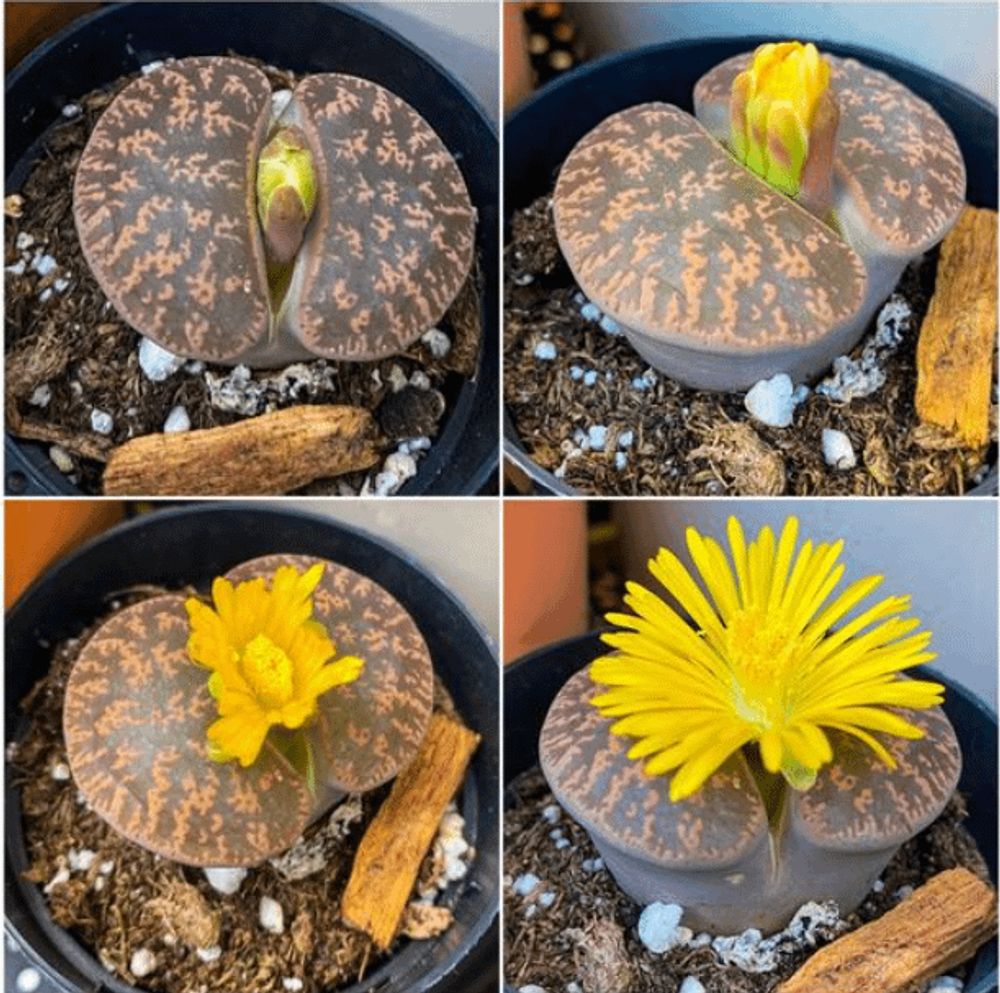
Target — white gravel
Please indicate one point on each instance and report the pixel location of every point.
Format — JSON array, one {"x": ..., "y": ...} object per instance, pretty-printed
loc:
[
  {"x": 545, "y": 351},
  {"x": 272, "y": 917},
  {"x": 177, "y": 421},
  {"x": 224, "y": 880},
  {"x": 157, "y": 363},
  {"x": 660, "y": 927},
  {"x": 837, "y": 449},
  {"x": 101, "y": 421},
  {"x": 143, "y": 963},
  {"x": 771, "y": 401}
]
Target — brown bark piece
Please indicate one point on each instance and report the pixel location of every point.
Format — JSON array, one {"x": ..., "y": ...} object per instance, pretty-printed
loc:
[
  {"x": 939, "y": 926},
  {"x": 957, "y": 342},
  {"x": 389, "y": 856},
  {"x": 273, "y": 453}
]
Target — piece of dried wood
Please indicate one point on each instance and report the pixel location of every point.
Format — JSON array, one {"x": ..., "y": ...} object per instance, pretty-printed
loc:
[
  {"x": 957, "y": 342},
  {"x": 939, "y": 926},
  {"x": 389, "y": 856},
  {"x": 273, "y": 453}
]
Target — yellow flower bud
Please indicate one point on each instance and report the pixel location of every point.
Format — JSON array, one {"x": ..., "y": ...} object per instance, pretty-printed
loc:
[
  {"x": 773, "y": 109},
  {"x": 286, "y": 193}
]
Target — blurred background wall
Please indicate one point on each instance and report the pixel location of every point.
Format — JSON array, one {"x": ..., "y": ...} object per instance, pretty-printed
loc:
[
  {"x": 943, "y": 552},
  {"x": 957, "y": 40}
]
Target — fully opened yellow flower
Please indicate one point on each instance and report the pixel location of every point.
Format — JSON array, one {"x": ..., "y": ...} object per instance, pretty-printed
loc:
[
  {"x": 773, "y": 108},
  {"x": 766, "y": 663},
  {"x": 270, "y": 660}
]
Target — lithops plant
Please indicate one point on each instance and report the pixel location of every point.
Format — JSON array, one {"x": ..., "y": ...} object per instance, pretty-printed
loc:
[
  {"x": 233, "y": 228},
  {"x": 212, "y": 734},
  {"x": 761, "y": 237},
  {"x": 786, "y": 758}
]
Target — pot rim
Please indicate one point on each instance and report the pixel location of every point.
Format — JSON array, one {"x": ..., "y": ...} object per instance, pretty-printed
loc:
[
  {"x": 25, "y": 899},
  {"x": 477, "y": 397},
  {"x": 513, "y": 447}
]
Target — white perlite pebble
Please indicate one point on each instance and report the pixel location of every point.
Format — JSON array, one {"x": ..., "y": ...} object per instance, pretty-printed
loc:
[
  {"x": 28, "y": 980},
  {"x": 644, "y": 382},
  {"x": 23, "y": 241},
  {"x": 878, "y": 886},
  {"x": 152, "y": 66},
  {"x": 561, "y": 844},
  {"x": 272, "y": 917},
  {"x": 17, "y": 269},
  {"x": 60, "y": 772},
  {"x": 61, "y": 285},
  {"x": 225, "y": 881},
  {"x": 80, "y": 861},
  {"x": 946, "y": 984},
  {"x": 209, "y": 954},
  {"x": 101, "y": 421},
  {"x": 770, "y": 401},
  {"x": 157, "y": 363},
  {"x": 590, "y": 377},
  {"x": 397, "y": 378},
  {"x": 280, "y": 99},
  {"x": 531, "y": 988},
  {"x": 621, "y": 461},
  {"x": 608, "y": 326},
  {"x": 903, "y": 893},
  {"x": 525, "y": 884},
  {"x": 437, "y": 341},
  {"x": 625, "y": 439},
  {"x": 545, "y": 351},
  {"x": 837, "y": 450},
  {"x": 46, "y": 295},
  {"x": 597, "y": 437},
  {"x": 546, "y": 900},
  {"x": 574, "y": 987},
  {"x": 44, "y": 264},
  {"x": 61, "y": 876},
  {"x": 143, "y": 963},
  {"x": 691, "y": 985},
  {"x": 72, "y": 110},
  {"x": 576, "y": 373},
  {"x": 659, "y": 927},
  {"x": 593, "y": 865},
  {"x": 61, "y": 458},
  {"x": 590, "y": 312},
  {"x": 552, "y": 813},
  {"x": 292, "y": 984},
  {"x": 177, "y": 421},
  {"x": 420, "y": 380}
]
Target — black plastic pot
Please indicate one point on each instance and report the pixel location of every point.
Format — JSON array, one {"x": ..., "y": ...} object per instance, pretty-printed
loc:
[
  {"x": 192, "y": 544},
  {"x": 531, "y": 684},
  {"x": 542, "y": 131},
  {"x": 306, "y": 37}
]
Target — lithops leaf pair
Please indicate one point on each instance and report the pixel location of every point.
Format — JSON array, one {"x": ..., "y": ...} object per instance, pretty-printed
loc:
[
  {"x": 761, "y": 235},
  {"x": 228, "y": 227},
  {"x": 716, "y": 853},
  {"x": 138, "y": 710},
  {"x": 776, "y": 752}
]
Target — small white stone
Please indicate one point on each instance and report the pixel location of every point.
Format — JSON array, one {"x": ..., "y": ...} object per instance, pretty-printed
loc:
[
  {"x": 23, "y": 241},
  {"x": 625, "y": 439},
  {"x": 195, "y": 368},
  {"x": 437, "y": 341},
  {"x": 545, "y": 900},
  {"x": 597, "y": 437},
  {"x": 152, "y": 66},
  {"x": 574, "y": 987},
  {"x": 593, "y": 865},
  {"x": 700, "y": 940},
  {"x": 292, "y": 983},
  {"x": 420, "y": 380},
  {"x": 590, "y": 377},
  {"x": 60, "y": 772},
  {"x": 143, "y": 963},
  {"x": 61, "y": 458},
  {"x": 72, "y": 110},
  {"x": 878, "y": 886},
  {"x": 545, "y": 351},
  {"x": 280, "y": 99},
  {"x": 561, "y": 844},
  {"x": 552, "y": 813},
  {"x": 590, "y": 312},
  {"x": 101, "y": 421},
  {"x": 157, "y": 363},
  {"x": 397, "y": 378},
  {"x": 80, "y": 861},
  {"x": 44, "y": 264},
  {"x": 46, "y": 295},
  {"x": 224, "y": 880},
  {"x": 691, "y": 985},
  {"x": 99, "y": 884},
  {"x": 525, "y": 884},
  {"x": 177, "y": 421},
  {"x": 386, "y": 483},
  {"x": 770, "y": 401},
  {"x": 531, "y": 988},
  {"x": 272, "y": 917},
  {"x": 659, "y": 927},
  {"x": 621, "y": 461},
  {"x": 28, "y": 980},
  {"x": 419, "y": 444},
  {"x": 61, "y": 285},
  {"x": 608, "y": 326},
  {"x": 800, "y": 394},
  {"x": 209, "y": 954},
  {"x": 454, "y": 847},
  {"x": 403, "y": 467},
  {"x": 61, "y": 876},
  {"x": 576, "y": 373},
  {"x": 455, "y": 869},
  {"x": 946, "y": 984},
  {"x": 106, "y": 868},
  {"x": 903, "y": 893},
  {"x": 17, "y": 269},
  {"x": 837, "y": 450}
]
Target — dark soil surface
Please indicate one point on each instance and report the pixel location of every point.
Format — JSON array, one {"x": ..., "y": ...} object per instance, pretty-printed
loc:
[
  {"x": 63, "y": 336},
  {"x": 695, "y": 442},
  {"x": 588, "y": 935},
  {"x": 147, "y": 902}
]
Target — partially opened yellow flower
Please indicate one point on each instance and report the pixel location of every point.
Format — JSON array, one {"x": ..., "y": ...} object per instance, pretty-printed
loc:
[
  {"x": 270, "y": 661},
  {"x": 766, "y": 663}
]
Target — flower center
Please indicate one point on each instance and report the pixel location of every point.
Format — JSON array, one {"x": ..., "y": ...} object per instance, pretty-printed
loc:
[
  {"x": 762, "y": 655},
  {"x": 268, "y": 670}
]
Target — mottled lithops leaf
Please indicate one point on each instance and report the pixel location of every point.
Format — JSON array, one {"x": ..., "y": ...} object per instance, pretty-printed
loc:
[
  {"x": 136, "y": 712},
  {"x": 392, "y": 239},
  {"x": 859, "y": 803},
  {"x": 896, "y": 159},
  {"x": 369, "y": 729},
  {"x": 673, "y": 238},
  {"x": 165, "y": 211},
  {"x": 591, "y": 775}
]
